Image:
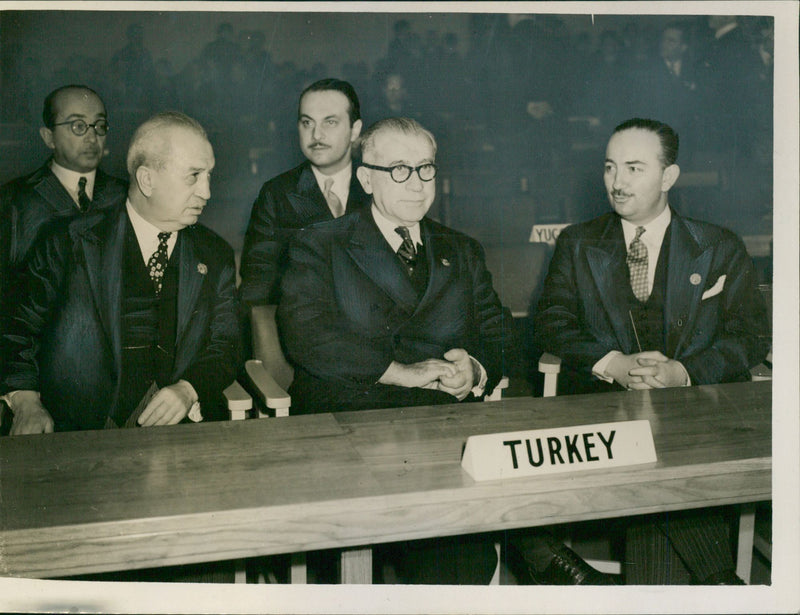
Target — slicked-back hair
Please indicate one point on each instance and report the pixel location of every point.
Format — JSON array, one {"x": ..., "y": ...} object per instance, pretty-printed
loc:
[
  {"x": 49, "y": 110},
  {"x": 404, "y": 125},
  {"x": 150, "y": 146},
  {"x": 337, "y": 85},
  {"x": 665, "y": 133}
]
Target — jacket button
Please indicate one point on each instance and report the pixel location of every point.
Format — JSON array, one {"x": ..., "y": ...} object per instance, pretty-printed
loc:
[{"x": 680, "y": 322}]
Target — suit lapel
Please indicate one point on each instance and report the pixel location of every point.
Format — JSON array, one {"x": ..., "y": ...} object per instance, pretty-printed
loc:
[
  {"x": 442, "y": 260},
  {"x": 51, "y": 190},
  {"x": 687, "y": 276},
  {"x": 373, "y": 255},
  {"x": 191, "y": 275},
  {"x": 103, "y": 252},
  {"x": 307, "y": 200},
  {"x": 606, "y": 259}
]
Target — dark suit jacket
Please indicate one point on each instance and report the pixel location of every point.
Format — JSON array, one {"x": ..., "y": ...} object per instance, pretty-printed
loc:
[
  {"x": 581, "y": 314},
  {"x": 285, "y": 204},
  {"x": 349, "y": 309},
  {"x": 31, "y": 203},
  {"x": 65, "y": 338}
]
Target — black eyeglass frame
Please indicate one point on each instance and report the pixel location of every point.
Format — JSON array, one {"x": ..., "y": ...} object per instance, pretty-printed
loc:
[
  {"x": 391, "y": 171},
  {"x": 87, "y": 126}
]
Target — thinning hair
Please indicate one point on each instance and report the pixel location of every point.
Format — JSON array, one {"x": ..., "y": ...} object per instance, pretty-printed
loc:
[
  {"x": 50, "y": 106},
  {"x": 665, "y": 133},
  {"x": 150, "y": 145},
  {"x": 404, "y": 125},
  {"x": 337, "y": 85}
]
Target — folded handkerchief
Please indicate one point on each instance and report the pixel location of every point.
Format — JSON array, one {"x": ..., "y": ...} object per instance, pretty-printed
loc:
[{"x": 714, "y": 290}]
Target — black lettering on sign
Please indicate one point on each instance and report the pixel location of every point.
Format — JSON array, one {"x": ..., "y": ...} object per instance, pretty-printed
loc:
[
  {"x": 589, "y": 446},
  {"x": 554, "y": 445},
  {"x": 512, "y": 444},
  {"x": 608, "y": 442},
  {"x": 540, "y": 461},
  {"x": 572, "y": 449}
]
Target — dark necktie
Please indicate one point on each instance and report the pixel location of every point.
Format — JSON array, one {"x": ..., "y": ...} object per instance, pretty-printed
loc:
[
  {"x": 637, "y": 265},
  {"x": 158, "y": 262},
  {"x": 407, "y": 252},
  {"x": 84, "y": 202}
]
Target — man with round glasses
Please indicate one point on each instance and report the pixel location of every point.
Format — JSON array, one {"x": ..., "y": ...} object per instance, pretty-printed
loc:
[
  {"x": 67, "y": 185},
  {"x": 387, "y": 308}
]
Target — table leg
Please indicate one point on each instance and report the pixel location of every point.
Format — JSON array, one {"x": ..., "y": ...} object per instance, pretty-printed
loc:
[{"x": 357, "y": 566}]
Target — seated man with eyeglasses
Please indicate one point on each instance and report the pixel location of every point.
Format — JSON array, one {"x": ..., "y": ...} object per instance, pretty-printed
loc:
[
  {"x": 387, "y": 308},
  {"x": 67, "y": 185}
]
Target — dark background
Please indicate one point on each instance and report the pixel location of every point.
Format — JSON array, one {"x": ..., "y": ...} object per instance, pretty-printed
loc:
[{"x": 476, "y": 80}]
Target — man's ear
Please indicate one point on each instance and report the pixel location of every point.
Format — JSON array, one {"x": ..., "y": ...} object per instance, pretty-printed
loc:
[
  {"x": 363, "y": 176},
  {"x": 355, "y": 130},
  {"x": 144, "y": 179},
  {"x": 47, "y": 137},
  {"x": 669, "y": 177}
]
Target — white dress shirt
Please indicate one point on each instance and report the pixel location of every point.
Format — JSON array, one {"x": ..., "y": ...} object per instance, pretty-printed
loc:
[
  {"x": 147, "y": 234},
  {"x": 69, "y": 179},
  {"x": 341, "y": 182}
]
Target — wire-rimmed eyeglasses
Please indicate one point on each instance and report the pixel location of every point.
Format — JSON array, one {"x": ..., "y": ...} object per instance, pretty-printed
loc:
[
  {"x": 401, "y": 172},
  {"x": 80, "y": 128}
]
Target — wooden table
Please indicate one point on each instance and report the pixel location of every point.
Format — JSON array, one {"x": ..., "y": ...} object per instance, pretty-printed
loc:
[{"x": 84, "y": 502}]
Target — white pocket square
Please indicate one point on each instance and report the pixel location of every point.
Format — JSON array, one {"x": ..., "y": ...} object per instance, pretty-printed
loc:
[{"x": 714, "y": 290}]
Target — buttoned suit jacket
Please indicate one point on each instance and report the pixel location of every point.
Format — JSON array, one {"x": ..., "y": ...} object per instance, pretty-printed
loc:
[
  {"x": 348, "y": 307},
  {"x": 286, "y": 203},
  {"x": 715, "y": 320},
  {"x": 65, "y": 337}
]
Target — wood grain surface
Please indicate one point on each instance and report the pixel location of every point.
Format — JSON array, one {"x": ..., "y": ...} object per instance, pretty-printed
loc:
[{"x": 85, "y": 502}]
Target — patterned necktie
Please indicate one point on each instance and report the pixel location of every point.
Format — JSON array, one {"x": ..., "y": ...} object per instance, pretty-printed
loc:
[
  {"x": 407, "y": 252},
  {"x": 334, "y": 204},
  {"x": 158, "y": 262},
  {"x": 84, "y": 202},
  {"x": 637, "y": 264}
]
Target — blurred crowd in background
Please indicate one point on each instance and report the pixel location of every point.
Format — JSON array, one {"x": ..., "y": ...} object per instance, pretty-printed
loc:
[{"x": 522, "y": 111}]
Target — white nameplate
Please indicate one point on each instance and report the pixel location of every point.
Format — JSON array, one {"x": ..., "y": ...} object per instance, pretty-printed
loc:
[
  {"x": 546, "y": 233},
  {"x": 564, "y": 449}
]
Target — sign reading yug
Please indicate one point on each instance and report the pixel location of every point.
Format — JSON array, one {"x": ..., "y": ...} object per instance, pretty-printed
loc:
[{"x": 564, "y": 449}]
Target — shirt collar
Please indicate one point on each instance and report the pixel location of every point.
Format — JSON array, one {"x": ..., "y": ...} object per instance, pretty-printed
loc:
[
  {"x": 341, "y": 181},
  {"x": 147, "y": 234},
  {"x": 387, "y": 227},
  {"x": 655, "y": 229},
  {"x": 69, "y": 179}
]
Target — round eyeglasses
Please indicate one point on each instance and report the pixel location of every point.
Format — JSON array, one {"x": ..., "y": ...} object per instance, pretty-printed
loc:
[
  {"x": 80, "y": 128},
  {"x": 401, "y": 172}
]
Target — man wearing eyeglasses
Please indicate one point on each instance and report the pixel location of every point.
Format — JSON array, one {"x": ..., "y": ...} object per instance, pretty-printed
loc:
[
  {"x": 323, "y": 187},
  {"x": 67, "y": 185},
  {"x": 387, "y": 308}
]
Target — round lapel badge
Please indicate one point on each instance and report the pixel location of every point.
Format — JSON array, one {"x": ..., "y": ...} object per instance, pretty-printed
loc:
[{"x": 695, "y": 279}]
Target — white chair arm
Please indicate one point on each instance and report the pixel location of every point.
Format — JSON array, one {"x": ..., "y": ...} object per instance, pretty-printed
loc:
[
  {"x": 271, "y": 394},
  {"x": 238, "y": 400}
]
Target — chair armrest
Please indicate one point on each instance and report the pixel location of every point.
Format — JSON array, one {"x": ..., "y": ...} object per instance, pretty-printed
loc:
[
  {"x": 238, "y": 400},
  {"x": 497, "y": 393},
  {"x": 270, "y": 393},
  {"x": 550, "y": 366},
  {"x": 549, "y": 363}
]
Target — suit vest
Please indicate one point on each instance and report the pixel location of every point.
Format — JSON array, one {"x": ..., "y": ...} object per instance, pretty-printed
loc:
[
  {"x": 148, "y": 326},
  {"x": 648, "y": 316}
]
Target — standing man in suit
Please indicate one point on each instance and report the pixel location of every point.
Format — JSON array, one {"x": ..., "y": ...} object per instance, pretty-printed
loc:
[
  {"x": 642, "y": 298},
  {"x": 67, "y": 185},
  {"x": 321, "y": 188},
  {"x": 387, "y": 308},
  {"x": 128, "y": 315}
]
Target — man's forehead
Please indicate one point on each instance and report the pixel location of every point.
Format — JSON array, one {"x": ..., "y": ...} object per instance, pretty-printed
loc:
[
  {"x": 190, "y": 150},
  {"x": 77, "y": 101},
  {"x": 326, "y": 102},
  {"x": 643, "y": 142},
  {"x": 394, "y": 144}
]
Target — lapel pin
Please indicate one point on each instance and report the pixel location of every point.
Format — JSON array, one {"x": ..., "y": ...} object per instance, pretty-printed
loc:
[
  {"x": 445, "y": 262},
  {"x": 202, "y": 269},
  {"x": 695, "y": 279}
]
